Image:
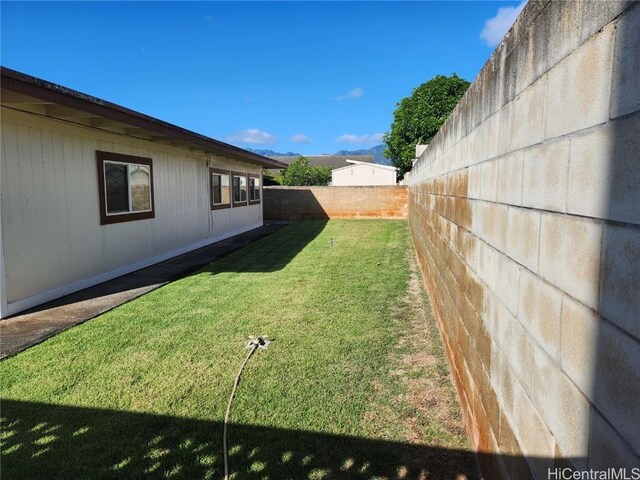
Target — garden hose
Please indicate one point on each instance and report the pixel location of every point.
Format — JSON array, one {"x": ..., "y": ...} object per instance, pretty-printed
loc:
[{"x": 253, "y": 344}]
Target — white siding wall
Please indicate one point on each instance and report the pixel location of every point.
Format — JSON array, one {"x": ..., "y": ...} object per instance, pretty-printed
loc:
[
  {"x": 50, "y": 212},
  {"x": 363, "y": 174},
  {"x": 3, "y": 292}
]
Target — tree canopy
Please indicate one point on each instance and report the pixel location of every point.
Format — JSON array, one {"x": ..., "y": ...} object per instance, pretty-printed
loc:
[
  {"x": 300, "y": 173},
  {"x": 419, "y": 117}
]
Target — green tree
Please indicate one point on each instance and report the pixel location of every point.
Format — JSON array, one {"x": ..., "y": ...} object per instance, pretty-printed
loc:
[
  {"x": 300, "y": 173},
  {"x": 419, "y": 117}
]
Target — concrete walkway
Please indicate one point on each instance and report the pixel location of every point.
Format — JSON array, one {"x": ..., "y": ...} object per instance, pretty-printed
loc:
[{"x": 33, "y": 326}]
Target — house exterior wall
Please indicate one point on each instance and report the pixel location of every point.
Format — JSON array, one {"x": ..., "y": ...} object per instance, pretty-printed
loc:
[
  {"x": 525, "y": 212},
  {"x": 362, "y": 175},
  {"x": 3, "y": 292},
  {"x": 52, "y": 238}
]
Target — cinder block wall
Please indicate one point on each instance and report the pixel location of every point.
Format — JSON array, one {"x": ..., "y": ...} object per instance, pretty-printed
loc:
[
  {"x": 525, "y": 211},
  {"x": 297, "y": 203}
]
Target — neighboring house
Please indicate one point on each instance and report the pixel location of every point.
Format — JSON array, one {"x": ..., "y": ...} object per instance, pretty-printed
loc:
[
  {"x": 358, "y": 173},
  {"x": 331, "y": 161},
  {"x": 92, "y": 190}
]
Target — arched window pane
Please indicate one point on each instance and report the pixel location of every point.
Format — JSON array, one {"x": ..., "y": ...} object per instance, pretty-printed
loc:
[
  {"x": 117, "y": 187},
  {"x": 140, "y": 188}
]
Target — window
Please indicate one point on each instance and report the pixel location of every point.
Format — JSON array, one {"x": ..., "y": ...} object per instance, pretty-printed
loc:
[
  {"x": 239, "y": 189},
  {"x": 254, "y": 190},
  {"x": 220, "y": 189},
  {"x": 125, "y": 187}
]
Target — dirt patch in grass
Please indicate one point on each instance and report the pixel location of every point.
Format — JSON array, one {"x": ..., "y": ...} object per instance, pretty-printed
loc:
[
  {"x": 429, "y": 384},
  {"x": 420, "y": 391}
]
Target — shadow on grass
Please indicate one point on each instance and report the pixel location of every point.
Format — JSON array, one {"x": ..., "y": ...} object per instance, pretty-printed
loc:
[
  {"x": 274, "y": 253},
  {"x": 61, "y": 442}
]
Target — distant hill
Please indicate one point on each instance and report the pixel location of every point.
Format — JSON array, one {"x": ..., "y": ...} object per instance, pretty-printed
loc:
[
  {"x": 271, "y": 153},
  {"x": 377, "y": 152}
]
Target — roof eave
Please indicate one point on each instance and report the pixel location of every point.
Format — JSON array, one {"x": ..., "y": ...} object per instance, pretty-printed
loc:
[{"x": 38, "y": 88}]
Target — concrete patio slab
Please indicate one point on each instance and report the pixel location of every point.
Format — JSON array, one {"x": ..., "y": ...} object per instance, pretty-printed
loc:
[{"x": 33, "y": 326}]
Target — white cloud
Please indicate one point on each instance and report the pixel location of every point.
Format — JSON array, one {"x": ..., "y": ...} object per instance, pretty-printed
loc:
[
  {"x": 377, "y": 137},
  {"x": 252, "y": 136},
  {"x": 496, "y": 27},
  {"x": 373, "y": 138},
  {"x": 211, "y": 20},
  {"x": 349, "y": 138},
  {"x": 299, "y": 138},
  {"x": 355, "y": 93}
]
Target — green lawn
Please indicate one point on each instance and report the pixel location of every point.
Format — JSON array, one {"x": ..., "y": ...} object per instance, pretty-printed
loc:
[{"x": 140, "y": 392}]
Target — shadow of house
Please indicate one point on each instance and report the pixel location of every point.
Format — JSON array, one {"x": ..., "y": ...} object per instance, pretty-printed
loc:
[{"x": 273, "y": 254}]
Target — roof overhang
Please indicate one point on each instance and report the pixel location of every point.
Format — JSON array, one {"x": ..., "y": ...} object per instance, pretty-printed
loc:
[{"x": 34, "y": 95}]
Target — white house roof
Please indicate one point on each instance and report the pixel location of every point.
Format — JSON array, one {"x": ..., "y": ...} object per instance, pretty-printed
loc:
[{"x": 355, "y": 163}]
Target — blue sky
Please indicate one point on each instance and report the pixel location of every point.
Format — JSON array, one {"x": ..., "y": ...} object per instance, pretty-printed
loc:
[{"x": 302, "y": 76}]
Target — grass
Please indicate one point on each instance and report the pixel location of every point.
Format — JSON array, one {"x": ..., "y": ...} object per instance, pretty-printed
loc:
[{"x": 140, "y": 391}]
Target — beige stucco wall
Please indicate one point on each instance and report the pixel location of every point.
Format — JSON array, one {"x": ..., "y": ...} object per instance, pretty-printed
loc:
[
  {"x": 362, "y": 175},
  {"x": 525, "y": 211},
  {"x": 51, "y": 232}
]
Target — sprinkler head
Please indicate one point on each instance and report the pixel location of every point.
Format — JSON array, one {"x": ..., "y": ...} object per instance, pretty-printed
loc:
[{"x": 260, "y": 342}]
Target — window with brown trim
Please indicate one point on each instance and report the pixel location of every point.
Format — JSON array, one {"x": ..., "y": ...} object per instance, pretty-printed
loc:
[
  {"x": 220, "y": 188},
  {"x": 125, "y": 186},
  {"x": 239, "y": 189},
  {"x": 254, "y": 189}
]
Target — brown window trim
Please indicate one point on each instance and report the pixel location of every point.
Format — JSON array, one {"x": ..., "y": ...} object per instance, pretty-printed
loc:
[
  {"x": 246, "y": 202},
  {"x": 220, "y": 206},
  {"x": 253, "y": 202},
  {"x": 122, "y": 217}
]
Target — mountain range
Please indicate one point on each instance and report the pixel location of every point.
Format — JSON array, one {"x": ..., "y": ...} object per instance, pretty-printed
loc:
[{"x": 377, "y": 152}]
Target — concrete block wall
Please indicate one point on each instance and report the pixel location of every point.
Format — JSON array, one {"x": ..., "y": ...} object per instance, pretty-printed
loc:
[
  {"x": 525, "y": 212},
  {"x": 298, "y": 203}
]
